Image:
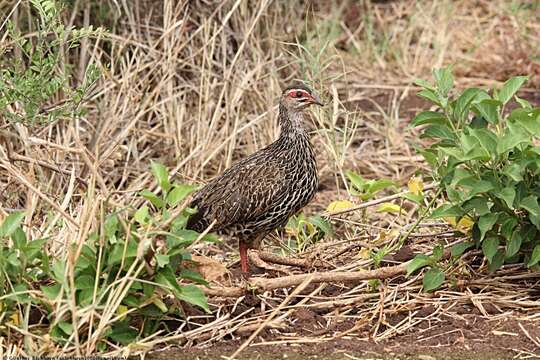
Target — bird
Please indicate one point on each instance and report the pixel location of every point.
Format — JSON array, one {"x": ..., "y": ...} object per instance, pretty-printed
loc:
[{"x": 259, "y": 193}]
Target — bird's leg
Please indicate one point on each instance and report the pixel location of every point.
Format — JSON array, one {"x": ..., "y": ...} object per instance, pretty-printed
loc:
[{"x": 243, "y": 256}]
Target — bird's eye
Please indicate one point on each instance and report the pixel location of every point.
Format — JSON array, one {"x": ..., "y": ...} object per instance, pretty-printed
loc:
[{"x": 298, "y": 94}]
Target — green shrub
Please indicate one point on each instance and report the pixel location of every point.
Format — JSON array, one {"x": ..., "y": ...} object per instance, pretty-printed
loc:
[
  {"x": 486, "y": 160},
  {"x": 36, "y": 88},
  {"x": 123, "y": 271}
]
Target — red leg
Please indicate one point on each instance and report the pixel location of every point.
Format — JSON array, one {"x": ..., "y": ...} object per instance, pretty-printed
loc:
[{"x": 243, "y": 257}]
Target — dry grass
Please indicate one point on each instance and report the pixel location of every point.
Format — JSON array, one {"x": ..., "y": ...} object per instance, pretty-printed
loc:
[{"x": 194, "y": 84}]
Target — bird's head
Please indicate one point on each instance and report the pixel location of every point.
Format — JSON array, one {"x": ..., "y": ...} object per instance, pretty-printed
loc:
[{"x": 298, "y": 97}]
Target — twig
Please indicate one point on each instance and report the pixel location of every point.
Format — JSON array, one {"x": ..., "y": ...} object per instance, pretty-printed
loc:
[
  {"x": 535, "y": 342},
  {"x": 376, "y": 201},
  {"x": 260, "y": 263}
]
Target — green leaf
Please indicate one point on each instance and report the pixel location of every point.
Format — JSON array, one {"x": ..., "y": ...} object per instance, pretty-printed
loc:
[
  {"x": 85, "y": 282},
  {"x": 11, "y": 223},
  {"x": 496, "y": 262},
  {"x": 356, "y": 180},
  {"x": 162, "y": 260},
  {"x": 153, "y": 198},
  {"x": 508, "y": 194},
  {"x": 460, "y": 248},
  {"x": 512, "y": 137},
  {"x": 423, "y": 83},
  {"x": 510, "y": 87},
  {"x": 179, "y": 193},
  {"x": 530, "y": 203},
  {"x": 193, "y": 295},
  {"x": 322, "y": 224},
  {"x": 444, "y": 80},
  {"x": 472, "y": 148},
  {"x": 430, "y": 95},
  {"x": 529, "y": 120},
  {"x": 514, "y": 171},
  {"x": 535, "y": 256},
  {"x": 167, "y": 278},
  {"x": 437, "y": 253},
  {"x": 418, "y": 262},
  {"x": 66, "y": 327},
  {"x": 446, "y": 210},
  {"x": 122, "y": 333},
  {"x": 490, "y": 247},
  {"x": 437, "y": 131},
  {"x": 85, "y": 297},
  {"x": 477, "y": 204},
  {"x": 429, "y": 117},
  {"x": 488, "y": 109},
  {"x": 193, "y": 276},
  {"x": 476, "y": 187},
  {"x": 463, "y": 103},
  {"x": 478, "y": 122},
  {"x": 416, "y": 198},
  {"x": 374, "y": 186},
  {"x": 51, "y": 291},
  {"x": 487, "y": 139},
  {"x": 433, "y": 279},
  {"x": 486, "y": 222},
  {"x": 161, "y": 175},
  {"x": 111, "y": 225},
  {"x": 514, "y": 245},
  {"x": 58, "y": 269},
  {"x": 117, "y": 253},
  {"x": 453, "y": 151},
  {"x": 141, "y": 216},
  {"x": 508, "y": 226}
]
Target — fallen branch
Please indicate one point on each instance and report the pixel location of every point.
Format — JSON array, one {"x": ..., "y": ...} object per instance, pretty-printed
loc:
[
  {"x": 283, "y": 260},
  {"x": 260, "y": 284}
]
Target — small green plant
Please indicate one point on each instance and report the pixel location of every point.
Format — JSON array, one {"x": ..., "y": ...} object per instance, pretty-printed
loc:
[
  {"x": 302, "y": 232},
  {"x": 124, "y": 270},
  {"x": 35, "y": 87},
  {"x": 487, "y": 164},
  {"x": 367, "y": 189}
]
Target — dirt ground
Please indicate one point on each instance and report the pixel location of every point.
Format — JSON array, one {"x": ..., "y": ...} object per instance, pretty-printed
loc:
[
  {"x": 470, "y": 338},
  {"x": 462, "y": 335},
  {"x": 475, "y": 330}
]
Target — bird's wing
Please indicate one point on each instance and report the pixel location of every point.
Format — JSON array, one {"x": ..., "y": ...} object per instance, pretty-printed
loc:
[{"x": 242, "y": 193}]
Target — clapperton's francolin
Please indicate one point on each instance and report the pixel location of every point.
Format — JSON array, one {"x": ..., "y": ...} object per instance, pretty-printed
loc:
[{"x": 260, "y": 192}]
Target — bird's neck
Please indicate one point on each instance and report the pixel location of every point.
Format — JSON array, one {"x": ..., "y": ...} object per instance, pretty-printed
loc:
[{"x": 291, "y": 123}]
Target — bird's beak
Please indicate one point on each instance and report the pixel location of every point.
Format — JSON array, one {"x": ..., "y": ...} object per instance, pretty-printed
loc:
[{"x": 315, "y": 99}]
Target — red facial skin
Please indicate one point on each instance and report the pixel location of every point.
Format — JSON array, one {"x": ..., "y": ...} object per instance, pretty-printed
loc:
[{"x": 299, "y": 93}]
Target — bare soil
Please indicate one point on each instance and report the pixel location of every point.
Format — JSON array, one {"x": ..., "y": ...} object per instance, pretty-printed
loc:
[{"x": 466, "y": 336}]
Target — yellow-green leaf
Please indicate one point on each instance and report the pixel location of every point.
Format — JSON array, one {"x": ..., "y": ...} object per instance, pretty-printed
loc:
[
  {"x": 390, "y": 208},
  {"x": 416, "y": 185},
  {"x": 339, "y": 205}
]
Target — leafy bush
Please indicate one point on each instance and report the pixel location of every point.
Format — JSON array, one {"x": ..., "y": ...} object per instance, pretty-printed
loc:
[
  {"x": 486, "y": 159},
  {"x": 123, "y": 271},
  {"x": 31, "y": 85}
]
